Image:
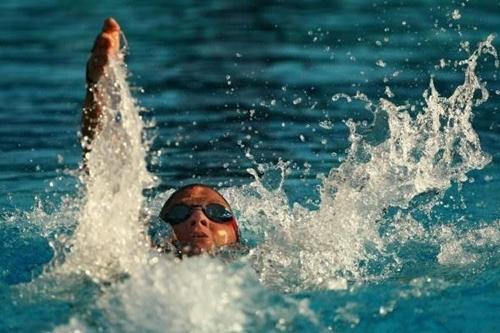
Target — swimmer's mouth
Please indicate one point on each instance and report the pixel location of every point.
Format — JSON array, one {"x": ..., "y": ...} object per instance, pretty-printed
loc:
[{"x": 199, "y": 235}]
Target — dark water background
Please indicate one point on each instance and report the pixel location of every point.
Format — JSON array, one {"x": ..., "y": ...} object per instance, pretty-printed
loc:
[{"x": 224, "y": 80}]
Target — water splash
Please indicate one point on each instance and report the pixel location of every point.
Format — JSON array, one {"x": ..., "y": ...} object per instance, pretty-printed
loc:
[
  {"x": 109, "y": 238},
  {"x": 201, "y": 294},
  {"x": 326, "y": 248},
  {"x": 178, "y": 297},
  {"x": 463, "y": 248}
]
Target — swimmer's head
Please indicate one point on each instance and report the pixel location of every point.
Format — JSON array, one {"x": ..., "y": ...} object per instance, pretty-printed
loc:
[{"x": 201, "y": 218}]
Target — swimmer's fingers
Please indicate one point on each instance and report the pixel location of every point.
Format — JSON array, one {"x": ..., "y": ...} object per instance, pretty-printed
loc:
[
  {"x": 106, "y": 45},
  {"x": 111, "y": 34}
]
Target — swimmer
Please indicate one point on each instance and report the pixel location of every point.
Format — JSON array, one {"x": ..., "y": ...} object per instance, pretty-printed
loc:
[{"x": 201, "y": 219}]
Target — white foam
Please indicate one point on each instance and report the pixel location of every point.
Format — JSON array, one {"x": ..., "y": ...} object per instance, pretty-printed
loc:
[
  {"x": 200, "y": 294},
  {"x": 73, "y": 326},
  {"x": 464, "y": 248},
  {"x": 197, "y": 295}
]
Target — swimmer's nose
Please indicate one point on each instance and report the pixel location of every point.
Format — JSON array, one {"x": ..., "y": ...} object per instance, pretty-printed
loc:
[{"x": 198, "y": 218}]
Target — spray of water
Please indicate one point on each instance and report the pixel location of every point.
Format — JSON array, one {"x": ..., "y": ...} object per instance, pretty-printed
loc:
[
  {"x": 175, "y": 297},
  {"x": 325, "y": 248},
  {"x": 109, "y": 238}
]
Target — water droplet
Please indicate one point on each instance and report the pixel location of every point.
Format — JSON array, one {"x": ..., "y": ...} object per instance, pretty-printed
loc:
[
  {"x": 380, "y": 63},
  {"x": 389, "y": 92},
  {"x": 326, "y": 124},
  {"x": 456, "y": 14}
]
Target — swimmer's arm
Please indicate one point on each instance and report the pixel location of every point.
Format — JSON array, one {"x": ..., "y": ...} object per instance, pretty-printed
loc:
[
  {"x": 105, "y": 46},
  {"x": 91, "y": 115}
]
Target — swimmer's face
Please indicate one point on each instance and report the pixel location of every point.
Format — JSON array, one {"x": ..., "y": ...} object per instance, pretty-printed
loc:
[{"x": 198, "y": 233}]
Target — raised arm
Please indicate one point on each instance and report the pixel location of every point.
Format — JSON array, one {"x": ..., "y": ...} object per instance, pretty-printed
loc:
[{"x": 106, "y": 46}]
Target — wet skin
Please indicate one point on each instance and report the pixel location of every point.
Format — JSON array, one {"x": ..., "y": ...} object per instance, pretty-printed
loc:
[
  {"x": 106, "y": 47},
  {"x": 198, "y": 233}
]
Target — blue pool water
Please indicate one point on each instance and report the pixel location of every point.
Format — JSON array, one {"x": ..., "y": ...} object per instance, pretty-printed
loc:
[{"x": 353, "y": 139}]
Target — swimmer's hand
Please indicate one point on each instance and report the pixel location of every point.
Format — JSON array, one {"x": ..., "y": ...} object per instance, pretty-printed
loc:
[{"x": 106, "y": 46}]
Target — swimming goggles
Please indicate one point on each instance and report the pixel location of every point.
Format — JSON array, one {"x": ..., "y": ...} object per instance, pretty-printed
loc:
[{"x": 181, "y": 212}]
